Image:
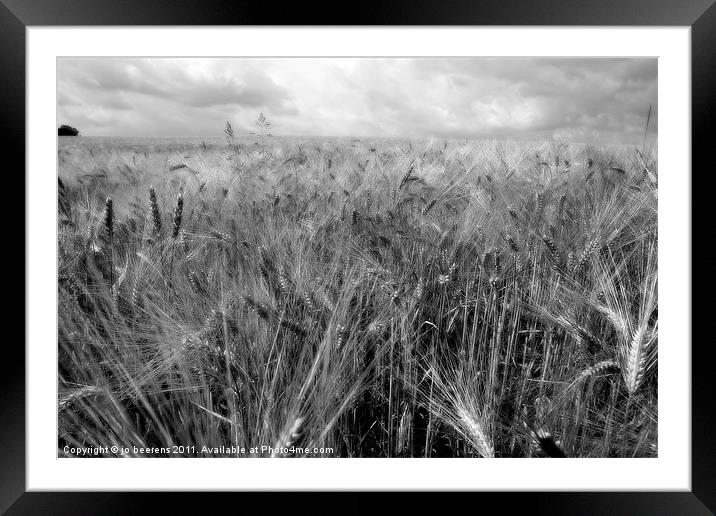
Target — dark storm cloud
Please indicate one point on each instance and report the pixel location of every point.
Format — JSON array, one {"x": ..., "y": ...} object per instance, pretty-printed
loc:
[{"x": 601, "y": 100}]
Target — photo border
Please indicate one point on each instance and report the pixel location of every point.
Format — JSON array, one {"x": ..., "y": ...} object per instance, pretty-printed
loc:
[{"x": 700, "y": 16}]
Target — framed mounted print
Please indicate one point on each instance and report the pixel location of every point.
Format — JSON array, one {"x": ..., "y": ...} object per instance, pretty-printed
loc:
[{"x": 424, "y": 252}]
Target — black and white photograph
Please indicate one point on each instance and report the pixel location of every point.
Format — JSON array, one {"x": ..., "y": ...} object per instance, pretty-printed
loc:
[{"x": 298, "y": 257}]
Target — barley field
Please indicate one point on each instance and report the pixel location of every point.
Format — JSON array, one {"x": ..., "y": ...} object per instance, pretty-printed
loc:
[{"x": 345, "y": 297}]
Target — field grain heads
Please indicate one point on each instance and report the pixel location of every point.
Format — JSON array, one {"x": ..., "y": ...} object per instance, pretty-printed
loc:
[{"x": 444, "y": 299}]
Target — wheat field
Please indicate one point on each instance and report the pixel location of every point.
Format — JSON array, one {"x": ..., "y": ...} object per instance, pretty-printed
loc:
[{"x": 331, "y": 297}]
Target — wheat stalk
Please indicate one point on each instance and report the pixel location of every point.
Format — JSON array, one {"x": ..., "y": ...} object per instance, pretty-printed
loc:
[
  {"x": 637, "y": 357},
  {"x": 108, "y": 223},
  {"x": 177, "y": 215},
  {"x": 156, "y": 216}
]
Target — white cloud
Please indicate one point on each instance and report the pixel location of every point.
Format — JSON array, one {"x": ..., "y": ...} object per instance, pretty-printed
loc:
[{"x": 526, "y": 98}]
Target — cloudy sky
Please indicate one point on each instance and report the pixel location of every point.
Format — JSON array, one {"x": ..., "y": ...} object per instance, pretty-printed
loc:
[{"x": 592, "y": 100}]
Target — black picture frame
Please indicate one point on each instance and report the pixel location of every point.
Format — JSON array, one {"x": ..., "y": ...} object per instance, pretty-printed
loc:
[{"x": 700, "y": 15}]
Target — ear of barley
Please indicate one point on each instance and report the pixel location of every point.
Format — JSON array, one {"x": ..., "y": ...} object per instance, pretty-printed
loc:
[
  {"x": 589, "y": 372},
  {"x": 429, "y": 206},
  {"x": 67, "y": 398},
  {"x": 108, "y": 219},
  {"x": 597, "y": 368},
  {"x": 178, "y": 215},
  {"x": 306, "y": 297},
  {"x": 108, "y": 222},
  {"x": 589, "y": 249},
  {"x": 156, "y": 216},
  {"x": 340, "y": 336},
  {"x": 406, "y": 177},
  {"x": 636, "y": 358},
  {"x": 571, "y": 261},
  {"x": 473, "y": 428},
  {"x": 551, "y": 246},
  {"x": 540, "y": 203},
  {"x": 283, "y": 280},
  {"x": 617, "y": 321},
  {"x": 562, "y": 205}
]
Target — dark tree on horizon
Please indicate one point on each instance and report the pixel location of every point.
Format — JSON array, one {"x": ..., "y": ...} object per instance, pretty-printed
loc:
[{"x": 66, "y": 130}]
